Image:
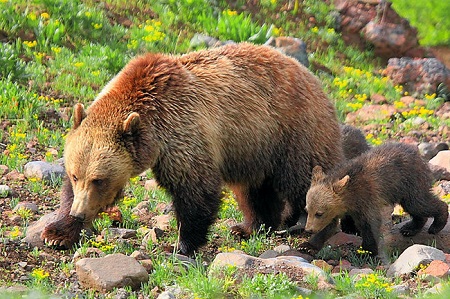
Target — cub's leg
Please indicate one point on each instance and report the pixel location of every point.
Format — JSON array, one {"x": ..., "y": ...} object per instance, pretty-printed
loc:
[
  {"x": 428, "y": 206},
  {"x": 370, "y": 231}
]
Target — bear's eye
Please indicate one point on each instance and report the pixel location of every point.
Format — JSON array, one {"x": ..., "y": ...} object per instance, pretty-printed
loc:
[
  {"x": 98, "y": 182},
  {"x": 74, "y": 178},
  {"x": 319, "y": 214}
]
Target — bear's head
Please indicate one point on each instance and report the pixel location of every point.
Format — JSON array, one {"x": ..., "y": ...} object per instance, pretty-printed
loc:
[
  {"x": 97, "y": 161},
  {"x": 324, "y": 200}
]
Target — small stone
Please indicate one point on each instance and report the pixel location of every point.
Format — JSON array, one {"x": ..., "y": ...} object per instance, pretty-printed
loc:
[
  {"x": 147, "y": 264},
  {"x": 322, "y": 265},
  {"x": 342, "y": 238},
  {"x": 151, "y": 185},
  {"x": 22, "y": 264},
  {"x": 268, "y": 254},
  {"x": 162, "y": 221},
  {"x": 5, "y": 191},
  {"x": 378, "y": 99},
  {"x": 442, "y": 159},
  {"x": 437, "y": 269},
  {"x": 27, "y": 205},
  {"x": 344, "y": 265},
  {"x": 4, "y": 169},
  {"x": 139, "y": 255},
  {"x": 282, "y": 248},
  {"x": 121, "y": 233}
]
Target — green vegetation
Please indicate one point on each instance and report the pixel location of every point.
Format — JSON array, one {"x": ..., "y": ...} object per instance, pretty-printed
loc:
[
  {"x": 430, "y": 17},
  {"x": 57, "y": 53}
]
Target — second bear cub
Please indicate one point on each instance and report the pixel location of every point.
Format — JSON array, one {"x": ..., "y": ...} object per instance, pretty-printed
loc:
[{"x": 393, "y": 173}]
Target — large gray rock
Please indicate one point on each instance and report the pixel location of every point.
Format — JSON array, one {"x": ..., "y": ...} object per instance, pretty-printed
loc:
[
  {"x": 442, "y": 159},
  {"x": 412, "y": 257},
  {"x": 43, "y": 170},
  {"x": 111, "y": 271},
  {"x": 34, "y": 230}
]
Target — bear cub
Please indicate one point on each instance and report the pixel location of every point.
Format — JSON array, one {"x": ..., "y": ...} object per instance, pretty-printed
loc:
[{"x": 393, "y": 173}]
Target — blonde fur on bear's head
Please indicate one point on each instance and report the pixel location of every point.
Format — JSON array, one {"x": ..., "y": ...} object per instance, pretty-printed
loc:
[
  {"x": 97, "y": 168},
  {"x": 323, "y": 201}
]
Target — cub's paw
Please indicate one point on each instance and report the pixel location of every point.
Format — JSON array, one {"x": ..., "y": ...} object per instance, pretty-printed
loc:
[
  {"x": 410, "y": 229},
  {"x": 62, "y": 233}
]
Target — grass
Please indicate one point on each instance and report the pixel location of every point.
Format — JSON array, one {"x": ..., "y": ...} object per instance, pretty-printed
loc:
[{"x": 58, "y": 53}]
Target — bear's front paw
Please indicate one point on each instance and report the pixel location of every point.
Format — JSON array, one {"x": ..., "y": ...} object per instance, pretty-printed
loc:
[
  {"x": 241, "y": 230},
  {"x": 62, "y": 233},
  {"x": 308, "y": 248}
]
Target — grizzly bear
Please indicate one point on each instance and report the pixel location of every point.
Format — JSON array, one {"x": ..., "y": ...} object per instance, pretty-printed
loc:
[
  {"x": 242, "y": 115},
  {"x": 393, "y": 173}
]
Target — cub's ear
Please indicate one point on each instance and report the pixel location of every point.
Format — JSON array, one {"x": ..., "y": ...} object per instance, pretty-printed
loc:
[
  {"x": 340, "y": 185},
  {"x": 78, "y": 115},
  {"x": 131, "y": 124},
  {"x": 317, "y": 174}
]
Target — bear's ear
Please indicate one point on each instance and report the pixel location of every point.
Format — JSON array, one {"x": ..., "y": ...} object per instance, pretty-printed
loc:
[
  {"x": 131, "y": 124},
  {"x": 78, "y": 115},
  {"x": 317, "y": 174},
  {"x": 340, "y": 185}
]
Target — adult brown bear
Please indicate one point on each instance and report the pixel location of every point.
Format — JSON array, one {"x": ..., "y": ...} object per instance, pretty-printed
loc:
[{"x": 242, "y": 115}]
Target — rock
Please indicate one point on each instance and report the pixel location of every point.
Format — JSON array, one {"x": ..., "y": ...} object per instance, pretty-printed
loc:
[
  {"x": 401, "y": 290},
  {"x": 291, "y": 265},
  {"x": 342, "y": 238},
  {"x": 412, "y": 257},
  {"x": 417, "y": 75},
  {"x": 147, "y": 264},
  {"x": 112, "y": 271},
  {"x": 268, "y": 254},
  {"x": 322, "y": 265},
  {"x": 90, "y": 252},
  {"x": 439, "y": 173},
  {"x": 444, "y": 111},
  {"x": 436, "y": 289},
  {"x": 429, "y": 150},
  {"x": 394, "y": 240},
  {"x": 122, "y": 233},
  {"x": 167, "y": 295},
  {"x": 34, "y": 230},
  {"x": 360, "y": 272},
  {"x": 139, "y": 255},
  {"x": 291, "y": 46},
  {"x": 378, "y": 99},
  {"x": 202, "y": 40},
  {"x": 375, "y": 23},
  {"x": 371, "y": 112},
  {"x": 436, "y": 268},
  {"x": 442, "y": 159},
  {"x": 282, "y": 248},
  {"x": 344, "y": 265},
  {"x": 4, "y": 169},
  {"x": 162, "y": 221},
  {"x": 5, "y": 191},
  {"x": 27, "y": 205},
  {"x": 43, "y": 171},
  {"x": 151, "y": 185}
]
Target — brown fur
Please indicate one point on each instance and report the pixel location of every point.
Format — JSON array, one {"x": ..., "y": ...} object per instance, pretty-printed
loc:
[
  {"x": 243, "y": 115},
  {"x": 393, "y": 173}
]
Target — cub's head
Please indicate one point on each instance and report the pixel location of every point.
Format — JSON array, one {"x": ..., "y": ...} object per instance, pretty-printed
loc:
[
  {"x": 324, "y": 201},
  {"x": 97, "y": 161}
]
